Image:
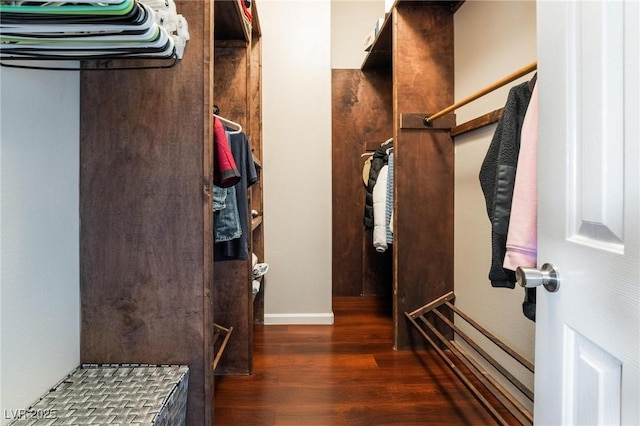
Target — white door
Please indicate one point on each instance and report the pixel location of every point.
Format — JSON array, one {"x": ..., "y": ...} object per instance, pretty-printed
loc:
[{"x": 587, "y": 333}]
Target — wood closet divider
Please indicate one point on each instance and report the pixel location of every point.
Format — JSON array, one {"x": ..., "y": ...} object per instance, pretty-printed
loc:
[
  {"x": 150, "y": 291},
  {"x": 409, "y": 70}
]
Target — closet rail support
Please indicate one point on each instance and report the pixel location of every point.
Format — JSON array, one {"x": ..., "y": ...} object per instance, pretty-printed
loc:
[
  {"x": 220, "y": 331},
  {"x": 420, "y": 121},
  {"x": 477, "y": 123},
  {"x": 458, "y": 359}
]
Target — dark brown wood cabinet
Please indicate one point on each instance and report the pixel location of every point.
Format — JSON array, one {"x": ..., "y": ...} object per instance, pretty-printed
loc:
[
  {"x": 150, "y": 292},
  {"x": 408, "y": 71}
]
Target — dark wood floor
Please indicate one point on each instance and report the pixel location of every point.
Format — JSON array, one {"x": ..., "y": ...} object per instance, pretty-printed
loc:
[{"x": 344, "y": 374}]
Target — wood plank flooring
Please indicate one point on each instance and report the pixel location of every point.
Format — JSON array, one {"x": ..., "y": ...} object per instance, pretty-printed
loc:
[{"x": 344, "y": 374}]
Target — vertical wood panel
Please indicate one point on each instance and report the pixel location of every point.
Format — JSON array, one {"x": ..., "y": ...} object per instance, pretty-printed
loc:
[
  {"x": 423, "y": 82},
  {"x": 207, "y": 172},
  {"x": 234, "y": 307},
  {"x": 258, "y": 303},
  {"x": 144, "y": 278},
  {"x": 231, "y": 74},
  {"x": 377, "y": 275},
  {"x": 255, "y": 91},
  {"x": 361, "y": 110},
  {"x": 256, "y": 147}
]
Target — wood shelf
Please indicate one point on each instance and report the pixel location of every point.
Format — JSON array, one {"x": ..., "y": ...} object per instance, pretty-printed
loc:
[
  {"x": 398, "y": 99},
  {"x": 238, "y": 87},
  {"x": 380, "y": 54},
  {"x": 230, "y": 22}
]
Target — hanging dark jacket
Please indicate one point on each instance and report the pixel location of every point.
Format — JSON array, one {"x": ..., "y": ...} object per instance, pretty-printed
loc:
[{"x": 497, "y": 179}]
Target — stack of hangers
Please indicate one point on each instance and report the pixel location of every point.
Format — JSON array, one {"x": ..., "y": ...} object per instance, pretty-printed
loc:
[{"x": 91, "y": 29}]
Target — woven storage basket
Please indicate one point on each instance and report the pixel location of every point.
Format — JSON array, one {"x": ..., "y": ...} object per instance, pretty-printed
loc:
[{"x": 116, "y": 394}]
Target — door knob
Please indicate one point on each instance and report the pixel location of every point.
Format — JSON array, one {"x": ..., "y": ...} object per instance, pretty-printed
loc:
[{"x": 547, "y": 276}]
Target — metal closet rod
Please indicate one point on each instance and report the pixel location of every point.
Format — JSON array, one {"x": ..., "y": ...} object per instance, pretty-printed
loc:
[{"x": 508, "y": 79}]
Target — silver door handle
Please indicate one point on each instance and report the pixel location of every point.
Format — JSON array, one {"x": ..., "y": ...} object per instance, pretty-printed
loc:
[{"x": 547, "y": 276}]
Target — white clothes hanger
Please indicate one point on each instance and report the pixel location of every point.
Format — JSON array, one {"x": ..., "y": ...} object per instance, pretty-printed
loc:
[{"x": 236, "y": 126}]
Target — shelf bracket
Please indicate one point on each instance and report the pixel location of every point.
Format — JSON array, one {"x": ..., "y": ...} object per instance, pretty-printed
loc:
[
  {"x": 416, "y": 121},
  {"x": 220, "y": 331}
]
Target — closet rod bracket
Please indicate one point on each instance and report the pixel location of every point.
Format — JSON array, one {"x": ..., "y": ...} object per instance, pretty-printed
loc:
[{"x": 420, "y": 121}]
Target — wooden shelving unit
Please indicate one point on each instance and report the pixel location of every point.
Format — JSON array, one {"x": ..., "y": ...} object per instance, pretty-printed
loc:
[
  {"x": 238, "y": 92},
  {"x": 150, "y": 292},
  {"x": 409, "y": 70},
  {"x": 146, "y": 167}
]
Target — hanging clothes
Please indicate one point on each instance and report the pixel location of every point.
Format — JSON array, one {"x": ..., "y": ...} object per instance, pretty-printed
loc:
[
  {"x": 226, "y": 172},
  {"x": 522, "y": 237},
  {"x": 497, "y": 178},
  {"x": 379, "y": 159},
  {"x": 219, "y": 198},
  {"x": 366, "y": 170},
  {"x": 380, "y": 211},
  {"x": 226, "y": 220},
  {"x": 389, "y": 206},
  {"x": 238, "y": 248}
]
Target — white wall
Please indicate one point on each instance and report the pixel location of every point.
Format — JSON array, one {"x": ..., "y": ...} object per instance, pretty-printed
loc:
[
  {"x": 39, "y": 226},
  {"x": 492, "y": 39},
  {"x": 296, "y": 77}
]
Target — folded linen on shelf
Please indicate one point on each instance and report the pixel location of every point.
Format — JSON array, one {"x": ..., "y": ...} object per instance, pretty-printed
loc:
[{"x": 91, "y": 28}]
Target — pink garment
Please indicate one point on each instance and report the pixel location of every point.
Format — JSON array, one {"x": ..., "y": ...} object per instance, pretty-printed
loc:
[{"x": 522, "y": 236}]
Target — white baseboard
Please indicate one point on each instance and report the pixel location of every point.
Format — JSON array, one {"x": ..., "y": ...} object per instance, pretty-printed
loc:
[{"x": 301, "y": 319}]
